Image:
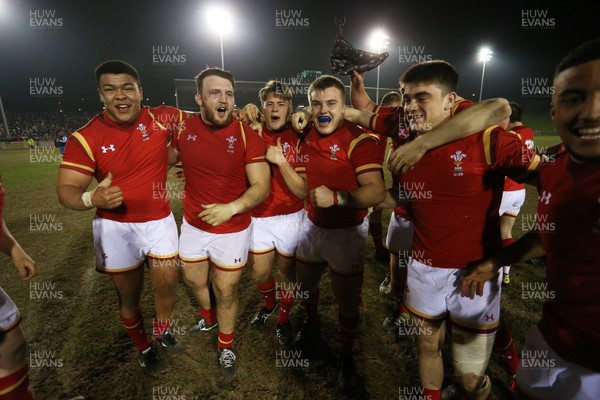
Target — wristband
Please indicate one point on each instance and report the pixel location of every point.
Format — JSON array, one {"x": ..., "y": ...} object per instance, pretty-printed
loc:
[
  {"x": 87, "y": 198},
  {"x": 344, "y": 198}
]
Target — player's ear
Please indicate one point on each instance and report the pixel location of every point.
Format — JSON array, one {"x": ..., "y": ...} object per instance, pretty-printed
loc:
[
  {"x": 450, "y": 99},
  {"x": 198, "y": 99},
  {"x": 100, "y": 96},
  {"x": 552, "y": 111}
]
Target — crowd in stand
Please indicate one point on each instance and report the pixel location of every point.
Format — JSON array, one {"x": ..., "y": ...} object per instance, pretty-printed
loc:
[{"x": 42, "y": 126}]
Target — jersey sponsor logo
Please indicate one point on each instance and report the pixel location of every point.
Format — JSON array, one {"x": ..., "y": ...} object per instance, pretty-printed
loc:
[
  {"x": 191, "y": 137},
  {"x": 334, "y": 149},
  {"x": 231, "y": 140},
  {"x": 457, "y": 159},
  {"x": 545, "y": 197},
  {"x": 110, "y": 147}
]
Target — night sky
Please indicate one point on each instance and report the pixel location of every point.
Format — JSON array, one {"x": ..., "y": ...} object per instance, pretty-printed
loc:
[{"x": 52, "y": 47}]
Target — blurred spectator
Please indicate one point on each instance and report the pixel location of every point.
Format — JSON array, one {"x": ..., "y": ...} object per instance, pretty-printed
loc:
[{"x": 44, "y": 126}]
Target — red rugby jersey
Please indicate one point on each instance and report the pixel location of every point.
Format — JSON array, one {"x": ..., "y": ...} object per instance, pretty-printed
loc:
[
  {"x": 526, "y": 136},
  {"x": 281, "y": 199},
  {"x": 455, "y": 192},
  {"x": 135, "y": 154},
  {"x": 334, "y": 161},
  {"x": 569, "y": 225},
  {"x": 214, "y": 161},
  {"x": 391, "y": 121}
]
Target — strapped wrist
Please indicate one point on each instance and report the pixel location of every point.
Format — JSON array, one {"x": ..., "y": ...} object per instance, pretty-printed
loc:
[
  {"x": 86, "y": 197},
  {"x": 342, "y": 198}
]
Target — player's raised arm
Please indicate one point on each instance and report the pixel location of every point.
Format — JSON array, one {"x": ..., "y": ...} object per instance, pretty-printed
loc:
[
  {"x": 468, "y": 122},
  {"x": 358, "y": 94},
  {"x": 358, "y": 117}
]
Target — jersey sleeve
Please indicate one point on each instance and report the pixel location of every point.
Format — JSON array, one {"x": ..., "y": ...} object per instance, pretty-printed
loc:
[
  {"x": 78, "y": 155},
  {"x": 384, "y": 109},
  {"x": 505, "y": 151},
  {"x": 366, "y": 153},
  {"x": 255, "y": 146},
  {"x": 387, "y": 124},
  {"x": 460, "y": 105}
]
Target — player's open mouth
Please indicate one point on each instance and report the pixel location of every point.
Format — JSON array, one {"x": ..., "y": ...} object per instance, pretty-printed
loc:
[
  {"x": 123, "y": 108},
  {"x": 221, "y": 111},
  {"x": 587, "y": 133},
  {"x": 275, "y": 117},
  {"x": 324, "y": 120},
  {"x": 416, "y": 117}
]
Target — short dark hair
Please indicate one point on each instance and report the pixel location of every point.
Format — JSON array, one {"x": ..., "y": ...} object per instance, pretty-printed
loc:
[
  {"x": 434, "y": 71},
  {"x": 390, "y": 97},
  {"x": 516, "y": 112},
  {"x": 213, "y": 72},
  {"x": 325, "y": 82},
  {"x": 279, "y": 89},
  {"x": 116, "y": 67},
  {"x": 585, "y": 52}
]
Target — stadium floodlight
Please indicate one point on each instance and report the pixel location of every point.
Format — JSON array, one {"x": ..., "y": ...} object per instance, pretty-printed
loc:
[
  {"x": 378, "y": 40},
  {"x": 219, "y": 20},
  {"x": 485, "y": 55}
]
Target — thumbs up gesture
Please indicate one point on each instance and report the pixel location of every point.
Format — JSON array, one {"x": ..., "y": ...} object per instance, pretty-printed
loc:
[
  {"x": 275, "y": 154},
  {"x": 106, "y": 196}
]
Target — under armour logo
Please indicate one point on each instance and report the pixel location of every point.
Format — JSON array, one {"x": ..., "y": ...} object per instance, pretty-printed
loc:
[
  {"x": 489, "y": 317},
  {"x": 191, "y": 137},
  {"x": 545, "y": 197},
  {"x": 106, "y": 149},
  {"x": 237, "y": 260}
]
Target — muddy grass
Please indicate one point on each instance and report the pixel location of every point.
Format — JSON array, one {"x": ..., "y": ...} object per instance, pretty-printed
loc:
[{"x": 79, "y": 348}]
